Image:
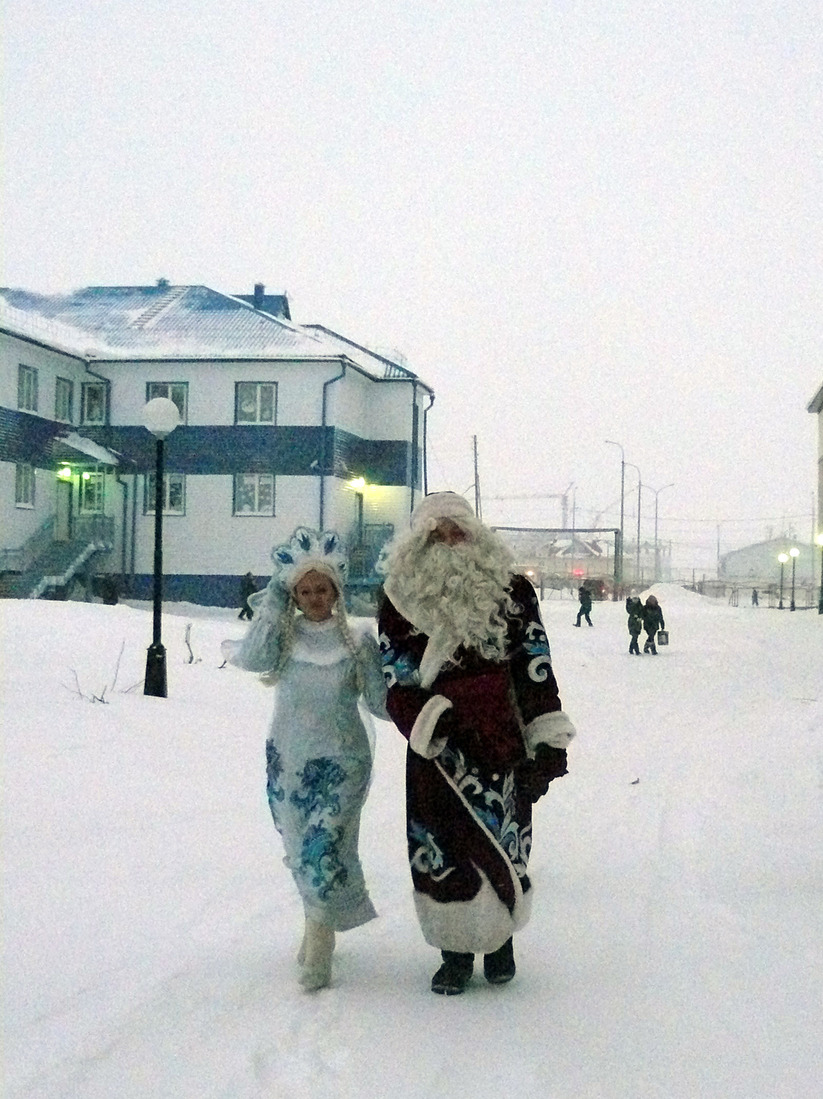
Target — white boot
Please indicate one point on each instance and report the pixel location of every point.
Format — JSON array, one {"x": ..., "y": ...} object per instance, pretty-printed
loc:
[{"x": 319, "y": 942}]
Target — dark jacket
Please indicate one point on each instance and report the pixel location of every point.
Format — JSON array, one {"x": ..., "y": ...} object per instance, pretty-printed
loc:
[
  {"x": 634, "y": 609},
  {"x": 585, "y": 597},
  {"x": 652, "y": 618}
]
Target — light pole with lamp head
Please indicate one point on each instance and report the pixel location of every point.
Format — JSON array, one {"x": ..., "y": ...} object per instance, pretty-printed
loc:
[
  {"x": 618, "y": 550},
  {"x": 657, "y": 492},
  {"x": 637, "y": 548},
  {"x": 160, "y": 417},
  {"x": 819, "y": 540},
  {"x": 782, "y": 558},
  {"x": 794, "y": 553}
]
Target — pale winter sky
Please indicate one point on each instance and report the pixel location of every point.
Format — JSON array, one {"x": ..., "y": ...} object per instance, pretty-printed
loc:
[{"x": 578, "y": 221}]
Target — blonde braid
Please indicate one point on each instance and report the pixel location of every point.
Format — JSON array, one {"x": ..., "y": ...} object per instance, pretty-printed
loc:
[
  {"x": 349, "y": 642},
  {"x": 285, "y": 643}
]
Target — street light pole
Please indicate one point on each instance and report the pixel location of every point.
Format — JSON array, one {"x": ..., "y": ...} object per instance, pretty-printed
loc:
[
  {"x": 657, "y": 492},
  {"x": 782, "y": 558},
  {"x": 160, "y": 417},
  {"x": 637, "y": 578},
  {"x": 618, "y": 550},
  {"x": 794, "y": 554}
]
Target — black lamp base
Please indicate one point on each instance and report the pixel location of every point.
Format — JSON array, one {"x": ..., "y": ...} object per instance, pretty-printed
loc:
[{"x": 156, "y": 672}]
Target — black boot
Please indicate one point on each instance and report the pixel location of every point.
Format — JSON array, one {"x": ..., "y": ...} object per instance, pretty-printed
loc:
[
  {"x": 498, "y": 968},
  {"x": 454, "y": 974}
]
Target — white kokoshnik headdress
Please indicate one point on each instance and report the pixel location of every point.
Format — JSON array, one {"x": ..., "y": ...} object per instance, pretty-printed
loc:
[{"x": 310, "y": 551}]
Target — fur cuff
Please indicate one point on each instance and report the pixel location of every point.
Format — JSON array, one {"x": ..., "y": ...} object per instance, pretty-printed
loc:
[
  {"x": 553, "y": 729},
  {"x": 422, "y": 739}
]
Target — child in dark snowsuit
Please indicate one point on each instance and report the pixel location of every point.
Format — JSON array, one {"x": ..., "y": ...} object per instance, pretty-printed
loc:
[
  {"x": 652, "y": 622},
  {"x": 634, "y": 609}
]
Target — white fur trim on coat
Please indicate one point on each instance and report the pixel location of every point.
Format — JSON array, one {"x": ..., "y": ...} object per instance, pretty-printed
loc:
[
  {"x": 553, "y": 729},
  {"x": 478, "y": 926},
  {"x": 422, "y": 739}
]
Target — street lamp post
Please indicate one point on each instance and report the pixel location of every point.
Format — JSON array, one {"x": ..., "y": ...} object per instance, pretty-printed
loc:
[
  {"x": 618, "y": 550},
  {"x": 160, "y": 417},
  {"x": 793, "y": 553},
  {"x": 637, "y": 578},
  {"x": 657, "y": 492},
  {"x": 819, "y": 540},
  {"x": 782, "y": 558}
]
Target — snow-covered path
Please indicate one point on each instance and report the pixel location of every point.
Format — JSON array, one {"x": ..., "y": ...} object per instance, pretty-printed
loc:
[{"x": 150, "y": 929}]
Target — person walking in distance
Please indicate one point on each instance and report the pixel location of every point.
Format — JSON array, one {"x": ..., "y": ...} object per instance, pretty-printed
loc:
[
  {"x": 652, "y": 622},
  {"x": 247, "y": 588},
  {"x": 585, "y": 598},
  {"x": 634, "y": 609}
]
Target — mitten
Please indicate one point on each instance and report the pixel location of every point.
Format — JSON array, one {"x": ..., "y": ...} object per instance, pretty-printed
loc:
[{"x": 534, "y": 775}]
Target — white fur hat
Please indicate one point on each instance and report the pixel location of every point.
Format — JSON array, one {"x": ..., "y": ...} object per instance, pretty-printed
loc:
[{"x": 440, "y": 505}]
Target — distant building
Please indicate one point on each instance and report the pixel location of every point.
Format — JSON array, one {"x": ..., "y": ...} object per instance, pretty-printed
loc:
[
  {"x": 281, "y": 425},
  {"x": 759, "y": 567}
]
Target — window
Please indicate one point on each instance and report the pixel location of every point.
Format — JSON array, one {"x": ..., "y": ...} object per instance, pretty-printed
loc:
[
  {"x": 174, "y": 494},
  {"x": 95, "y": 402},
  {"x": 91, "y": 493},
  {"x": 24, "y": 486},
  {"x": 254, "y": 494},
  {"x": 255, "y": 402},
  {"x": 175, "y": 391},
  {"x": 63, "y": 400},
  {"x": 26, "y": 388}
]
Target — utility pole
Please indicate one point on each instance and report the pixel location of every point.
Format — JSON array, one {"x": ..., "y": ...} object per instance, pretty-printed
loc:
[
  {"x": 618, "y": 544},
  {"x": 478, "y": 507}
]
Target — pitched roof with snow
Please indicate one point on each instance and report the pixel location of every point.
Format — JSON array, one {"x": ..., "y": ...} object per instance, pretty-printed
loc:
[{"x": 127, "y": 322}]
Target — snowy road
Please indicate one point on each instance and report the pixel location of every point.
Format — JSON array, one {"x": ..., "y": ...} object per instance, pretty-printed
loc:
[{"x": 676, "y": 947}]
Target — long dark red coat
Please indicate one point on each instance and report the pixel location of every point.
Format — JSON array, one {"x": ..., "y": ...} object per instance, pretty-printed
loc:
[{"x": 468, "y": 820}]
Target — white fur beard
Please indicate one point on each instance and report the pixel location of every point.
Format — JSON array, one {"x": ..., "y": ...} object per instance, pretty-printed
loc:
[{"x": 457, "y": 593}]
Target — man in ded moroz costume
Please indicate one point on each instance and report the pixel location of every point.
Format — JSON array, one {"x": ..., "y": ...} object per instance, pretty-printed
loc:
[{"x": 471, "y": 687}]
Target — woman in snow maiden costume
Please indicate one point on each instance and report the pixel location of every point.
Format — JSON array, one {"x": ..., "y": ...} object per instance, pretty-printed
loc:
[
  {"x": 318, "y": 751},
  {"x": 470, "y": 685}
]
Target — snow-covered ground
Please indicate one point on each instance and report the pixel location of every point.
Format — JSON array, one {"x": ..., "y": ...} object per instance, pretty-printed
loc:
[{"x": 150, "y": 928}]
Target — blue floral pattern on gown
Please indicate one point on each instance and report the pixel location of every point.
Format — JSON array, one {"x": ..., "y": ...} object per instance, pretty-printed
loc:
[{"x": 318, "y": 767}]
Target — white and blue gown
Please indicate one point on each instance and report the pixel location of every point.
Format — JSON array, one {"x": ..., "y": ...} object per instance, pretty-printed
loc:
[{"x": 318, "y": 753}]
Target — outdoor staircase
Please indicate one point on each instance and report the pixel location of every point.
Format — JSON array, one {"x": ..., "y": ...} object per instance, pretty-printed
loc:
[{"x": 58, "y": 563}]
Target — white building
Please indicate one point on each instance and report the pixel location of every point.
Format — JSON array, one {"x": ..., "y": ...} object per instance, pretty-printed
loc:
[
  {"x": 759, "y": 565},
  {"x": 281, "y": 425}
]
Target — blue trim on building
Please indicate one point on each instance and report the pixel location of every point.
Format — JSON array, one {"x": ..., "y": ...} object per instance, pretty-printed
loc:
[
  {"x": 226, "y": 449},
  {"x": 25, "y": 437},
  {"x": 217, "y": 591}
]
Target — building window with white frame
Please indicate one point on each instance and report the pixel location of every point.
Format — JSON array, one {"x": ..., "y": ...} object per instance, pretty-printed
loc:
[
  {"x": 255, "y": 402},
  {"x": 174, "y": 494},
  {"x": 94, "y": 403},
  {"x": 174, "y": 391},
  {"x": 92, "y": 487},
  {"x": 254, "y": 494},
  {"x": 24, "y": 481},
  {"x": 64, "y": 400},
  {"x": 26, "y": 388}
]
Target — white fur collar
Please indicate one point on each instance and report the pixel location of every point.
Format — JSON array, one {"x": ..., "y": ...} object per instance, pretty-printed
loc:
[{"x": 318, "y": 642}]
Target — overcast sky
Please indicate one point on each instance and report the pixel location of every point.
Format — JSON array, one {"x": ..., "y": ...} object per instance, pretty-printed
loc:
[{"x": 578, "y": 221}]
